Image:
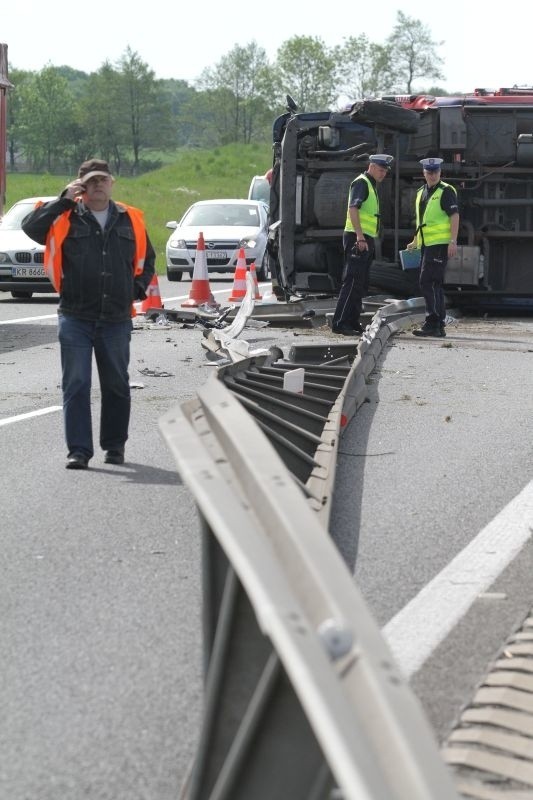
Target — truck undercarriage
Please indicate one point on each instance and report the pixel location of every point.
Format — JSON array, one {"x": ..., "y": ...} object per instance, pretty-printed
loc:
[{"x": 486, "y": 141}]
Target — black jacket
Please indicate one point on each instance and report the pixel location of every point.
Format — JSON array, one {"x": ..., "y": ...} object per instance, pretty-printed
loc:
[{"x": 98, "y": 281}]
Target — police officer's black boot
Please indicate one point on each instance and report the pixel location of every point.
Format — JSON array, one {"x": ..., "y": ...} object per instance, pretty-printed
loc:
[{"x": 429, "y": 329}]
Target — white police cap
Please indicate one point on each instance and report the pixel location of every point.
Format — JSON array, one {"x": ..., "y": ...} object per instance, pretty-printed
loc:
[
  {"x": 382, "y": 160},
  {"x": 431, "y": 164}
]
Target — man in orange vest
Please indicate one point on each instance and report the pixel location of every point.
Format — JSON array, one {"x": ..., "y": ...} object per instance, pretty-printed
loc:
[{"x": 100, "y": 259}]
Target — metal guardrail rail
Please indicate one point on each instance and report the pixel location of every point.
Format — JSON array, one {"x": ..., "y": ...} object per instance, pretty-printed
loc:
[
  {"x": 305, "y": 428},
  {"x": 302, "y": 698}
]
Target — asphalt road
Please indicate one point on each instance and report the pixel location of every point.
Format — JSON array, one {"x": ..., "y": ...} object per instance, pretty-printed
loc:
[
  {"x": 100, "y": 596},
  {"x": 442, "y": 448}
]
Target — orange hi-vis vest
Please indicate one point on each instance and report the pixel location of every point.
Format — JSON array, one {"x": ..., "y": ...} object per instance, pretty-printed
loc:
[{"x": 53, "y": 254}]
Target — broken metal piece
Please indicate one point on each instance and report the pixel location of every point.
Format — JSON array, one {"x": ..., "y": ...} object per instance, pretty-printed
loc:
[{"x": 222, "y": 343}]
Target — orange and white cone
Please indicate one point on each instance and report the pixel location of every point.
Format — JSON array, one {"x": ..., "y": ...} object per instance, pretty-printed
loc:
[
  {"x": 239, "y": 279},
  {"x": 253, "y": 273},
  {"x": 153, "y": 296},
  {"x": 200, "y": 290}
]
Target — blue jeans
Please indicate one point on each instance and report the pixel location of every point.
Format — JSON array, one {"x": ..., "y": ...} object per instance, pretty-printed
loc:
[{"x": 110, "y": 342}]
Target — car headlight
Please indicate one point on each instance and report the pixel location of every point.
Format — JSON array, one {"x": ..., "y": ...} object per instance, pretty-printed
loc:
[
  {"x": 4, "y": 259},
  {"x": 178, "y": 244},
  {"x": 248, "y": 241}
]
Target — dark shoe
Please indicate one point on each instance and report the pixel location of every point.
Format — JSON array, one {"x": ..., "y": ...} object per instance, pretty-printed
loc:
[
  {"x": 114, "y": 457},
  {"x": 428, "y": 330},
  {"x": 443, "y": 331},
  {"x": 345, "y": 330},
  {"x": 77, "y": 461}
]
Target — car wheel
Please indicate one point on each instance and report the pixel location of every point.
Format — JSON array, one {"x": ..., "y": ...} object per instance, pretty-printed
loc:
[
  {"x": 191, "y": 273},
  {"x": 21, "y": 295},
  {"x": 174, "y": 276},
  {"x": 263, "y": 273}
]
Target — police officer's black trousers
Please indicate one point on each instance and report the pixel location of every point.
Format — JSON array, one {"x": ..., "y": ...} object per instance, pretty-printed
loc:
[
  {"x": 355, "y": 278},
  {"x": 434, "y": 260}
]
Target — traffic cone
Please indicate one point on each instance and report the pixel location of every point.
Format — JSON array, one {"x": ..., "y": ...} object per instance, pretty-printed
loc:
[
  {"x": 239, "y": 279},
  {"x": 253, "y": 272},
  {"x": 153, "y": 296},
  {"x": 200, "y": 289}
]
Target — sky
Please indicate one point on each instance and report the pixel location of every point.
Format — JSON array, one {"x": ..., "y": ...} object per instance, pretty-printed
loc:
[{"x": 480, "y": 48}]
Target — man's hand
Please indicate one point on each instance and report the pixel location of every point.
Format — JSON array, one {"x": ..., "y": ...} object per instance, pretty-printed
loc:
[
  {"x": 411, "y": 245},
  {"x": 74, "y": 189}
]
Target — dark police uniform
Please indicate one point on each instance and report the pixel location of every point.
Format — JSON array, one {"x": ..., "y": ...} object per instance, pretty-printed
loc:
[
  {"x": 355, "y": 277},
  {"x": 435, "y": 257},
  {"x": 435, "y": 205}
]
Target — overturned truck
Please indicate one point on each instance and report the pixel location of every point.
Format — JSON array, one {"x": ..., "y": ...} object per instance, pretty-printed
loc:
[{"x": 486, "y": 141}]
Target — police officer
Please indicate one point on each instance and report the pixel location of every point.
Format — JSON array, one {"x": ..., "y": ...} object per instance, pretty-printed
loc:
[
  {"x": 437, "y": 225},
  {"x": 361, "y": 228}
]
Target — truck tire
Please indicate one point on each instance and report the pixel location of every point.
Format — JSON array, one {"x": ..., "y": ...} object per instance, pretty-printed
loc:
[
  {"x": 383, "y": 112},
  {"x": 390, "y": 278}
]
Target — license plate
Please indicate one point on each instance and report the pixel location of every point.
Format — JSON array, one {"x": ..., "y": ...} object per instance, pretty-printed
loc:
[
  {"x": 28, "y": 272},
  {"x": 218, "y": 255}
]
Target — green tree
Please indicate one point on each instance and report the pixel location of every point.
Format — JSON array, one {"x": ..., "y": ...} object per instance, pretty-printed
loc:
[
  {"x": 178, "y": 95},
  {"x": 145, "y": 104},
  {"x": 14, "y": 124},
  {"x": 47, "y": 120},
  {"x": 306, "y": 69},
  {"x": 362, "y": 67},
  {"x": 413, "y": 54},
  {"x": 76, "y": 78},
  {"x": 237, "y": 91},
  {"x": 438, "y": 91},
  {"x": 104, "y": 118}
]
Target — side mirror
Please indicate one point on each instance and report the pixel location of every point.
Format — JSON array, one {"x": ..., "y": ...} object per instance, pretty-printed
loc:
[{"x": 172, "y": 224}]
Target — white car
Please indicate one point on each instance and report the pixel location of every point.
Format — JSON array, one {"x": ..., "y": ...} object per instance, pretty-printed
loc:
[
  {"x": 260, "y": 188},
  {"x": 227, "y": 225},
  {"x": 21, "y": 259}
]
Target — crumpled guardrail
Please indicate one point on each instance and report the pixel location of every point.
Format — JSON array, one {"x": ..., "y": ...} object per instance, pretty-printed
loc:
[
  {"x": 305, "y": 428},
  {"x": 302, "y": 697}
]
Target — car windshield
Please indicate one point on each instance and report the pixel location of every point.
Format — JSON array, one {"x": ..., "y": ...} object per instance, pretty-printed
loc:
[
  {"x": 260, "y": 190},
  {"x": 12, "y": 220},
  {"x": 237, "y": 215}
]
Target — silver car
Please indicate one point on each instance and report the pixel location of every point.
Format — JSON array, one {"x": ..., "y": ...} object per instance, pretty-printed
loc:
[
  {"x": 227, "y": 225},
  {"x": 21, "y": 259}
]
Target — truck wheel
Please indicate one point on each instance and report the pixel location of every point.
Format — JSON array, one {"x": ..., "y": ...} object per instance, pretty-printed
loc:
[{"x": 401, "y": 283}]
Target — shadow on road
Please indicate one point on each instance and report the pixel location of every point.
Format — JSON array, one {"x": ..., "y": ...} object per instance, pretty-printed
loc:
[{"x": 142, "y": 474}]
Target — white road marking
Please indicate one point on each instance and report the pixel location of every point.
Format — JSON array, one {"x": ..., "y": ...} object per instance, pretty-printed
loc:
[
  {"x": 30, "y": 414},
  {"x": 218, "y": 291},
  {"x": 417, "y": 630},
  {"x": 163, "y": 300},
  {"x": 186, "y": 296},
  {"x": 26, "y": 319}
]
